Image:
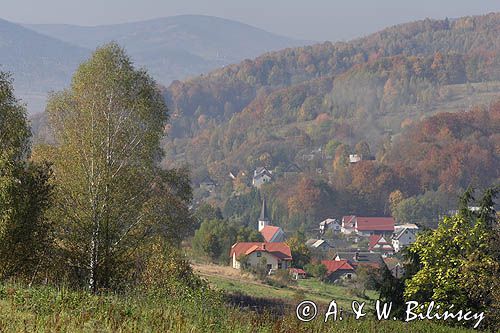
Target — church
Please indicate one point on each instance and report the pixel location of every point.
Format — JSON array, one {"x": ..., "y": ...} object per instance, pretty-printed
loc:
[{"x": 270, "y": 233}]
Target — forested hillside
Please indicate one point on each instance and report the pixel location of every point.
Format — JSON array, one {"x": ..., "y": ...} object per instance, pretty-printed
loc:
[
  {"x": 475, "y": 39},
  {"x": 311, "y": 107}
]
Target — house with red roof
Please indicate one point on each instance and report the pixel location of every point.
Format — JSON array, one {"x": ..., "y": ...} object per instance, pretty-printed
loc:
[
  {"x": 273, "y": 255},
  {"x": 367, "y": 226},
  {"x": 338, "y": 269},
  {"x": 358, "y": 259},
  {"x": 347, "y": 226},
  {"x": 378, "y": 243},
  {"x": 298, "y": 273}
]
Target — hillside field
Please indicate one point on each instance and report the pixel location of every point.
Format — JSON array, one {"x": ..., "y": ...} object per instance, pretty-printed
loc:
[{"x": 47, "y": 309}]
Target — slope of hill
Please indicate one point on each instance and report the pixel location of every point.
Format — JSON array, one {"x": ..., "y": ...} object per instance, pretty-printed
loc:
[
  {"x": 380, "y": 79},
  {"x": 313, "y": 106},
  {"x": 476, "y": 38},
  {"x": 310, "y": 107},
  {"x": 177, "y": 47},
  {"x": 37, "y": 62}
]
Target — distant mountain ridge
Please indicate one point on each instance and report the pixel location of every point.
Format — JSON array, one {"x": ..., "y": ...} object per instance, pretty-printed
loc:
[
  {"x": 38, "y": 63},
  {"x": 173, "y": 48},
  {"x": 43, "y": 57}
]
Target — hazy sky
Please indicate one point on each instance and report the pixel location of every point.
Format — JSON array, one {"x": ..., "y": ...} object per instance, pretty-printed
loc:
[{"x": 305, "y": 19}]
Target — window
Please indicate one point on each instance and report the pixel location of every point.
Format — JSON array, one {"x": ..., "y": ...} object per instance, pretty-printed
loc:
[
  {"x": 259, "y": 254},
  {"x": 349, "y": 276},
  {"x": 279, "y": 265}
]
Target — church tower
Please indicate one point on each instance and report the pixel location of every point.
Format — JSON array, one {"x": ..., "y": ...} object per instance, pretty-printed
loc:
[{"x": 264, "y": 216}]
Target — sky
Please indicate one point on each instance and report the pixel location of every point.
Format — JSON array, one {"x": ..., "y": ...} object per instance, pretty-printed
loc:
[{"x": 317, "y": 20}]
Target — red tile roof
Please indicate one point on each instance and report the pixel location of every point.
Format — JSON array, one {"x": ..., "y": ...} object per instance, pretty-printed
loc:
[
  {"x": 297, "y": 270},
  {"x": 279, "y": 250},
  {"x": 268, "y": 232},
  {"x": 377, "y": 239},
  {"x": 348, "y": 221},
  {"x": 375, "y": 223},
  {"x": 335, "y": 265},
  {"x": 373, "y": 240},
  {"x": 367, "y": 264}
]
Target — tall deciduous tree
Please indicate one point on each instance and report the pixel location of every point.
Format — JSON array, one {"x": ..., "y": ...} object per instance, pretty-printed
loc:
[
  {"x": 24, "y": 194},
  {"x": 458, "y": 264},
  {"x": 14, "y": 129},
  {"x": 111, "y": 195}
]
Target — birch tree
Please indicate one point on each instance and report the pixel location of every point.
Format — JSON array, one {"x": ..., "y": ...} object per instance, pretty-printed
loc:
[{"x": 108, "y": 127}]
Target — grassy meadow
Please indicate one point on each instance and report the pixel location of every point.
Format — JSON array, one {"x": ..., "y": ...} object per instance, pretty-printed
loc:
[
  {"x": 46, "y": 309},
  {"x": 231, "y": 281}
]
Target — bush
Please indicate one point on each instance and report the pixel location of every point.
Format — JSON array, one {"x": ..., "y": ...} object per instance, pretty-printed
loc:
[
  {"x": 166, "y": 271},
  {"x": 281, "y": 279}
]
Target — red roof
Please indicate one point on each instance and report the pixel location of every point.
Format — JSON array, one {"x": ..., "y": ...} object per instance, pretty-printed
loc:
[
  {"x": 279, "y": 250},
  {"x": 297, "y": 270},
  {"x": 376, "y": 239},
  {"x": 375, "y": 223},
  {"x": 335, "y": 265},
  {"x": 268, "y": 232},
  {"x": 367, "y": 264},
  {"x": 347, "y": 221},
  {"x": 373, "y": 240}
]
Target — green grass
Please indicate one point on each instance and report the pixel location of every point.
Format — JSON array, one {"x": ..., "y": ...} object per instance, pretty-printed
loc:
[
  {"x": 46, "y": 309},
  {"x": 326, "y": 292},
  {"x": 248, "y": 288},
  {"x": 310, "y": 289}
]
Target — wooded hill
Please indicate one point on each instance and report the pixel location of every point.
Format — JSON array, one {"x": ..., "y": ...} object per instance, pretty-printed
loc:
[
  {"x": 313, "y": 106},
  {"x": 299, "y": 105}
]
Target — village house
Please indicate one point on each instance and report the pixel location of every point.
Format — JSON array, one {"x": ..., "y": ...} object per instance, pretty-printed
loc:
[
  {"x": 329, "y": 224},
  {"x": 347, "y": 226},
  {"x": 345, "y": 264},
  {"x": 208, "y": 184},
  {"x": 367, "y": 226},
  {"x": 269, "y": 233},
  {"x": 395, "y": 266},
  {"x": 317, "y": 244},
  {"x": 378, "y": 243},
  {"x": 261, "y": 176},
  {"x": 338, "y": 270},
  {"x": 354, "y": 158},
  {"x": 399, "y": 227},
  {"x": 297, "y": 273},
  {"x": 357, "y": 259},
  {"x": 273, "y": 255},
  {"x": 291, "y": 170},
  {"x": 403, "y": 237},
  {"x": 234, "y": 174}
]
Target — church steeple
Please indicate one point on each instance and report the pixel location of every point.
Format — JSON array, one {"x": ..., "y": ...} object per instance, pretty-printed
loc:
[{"x": 264, "y": 216}]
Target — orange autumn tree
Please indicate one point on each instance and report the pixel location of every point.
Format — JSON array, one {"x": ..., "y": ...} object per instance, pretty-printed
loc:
[{"x": 304, "y": 199}]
